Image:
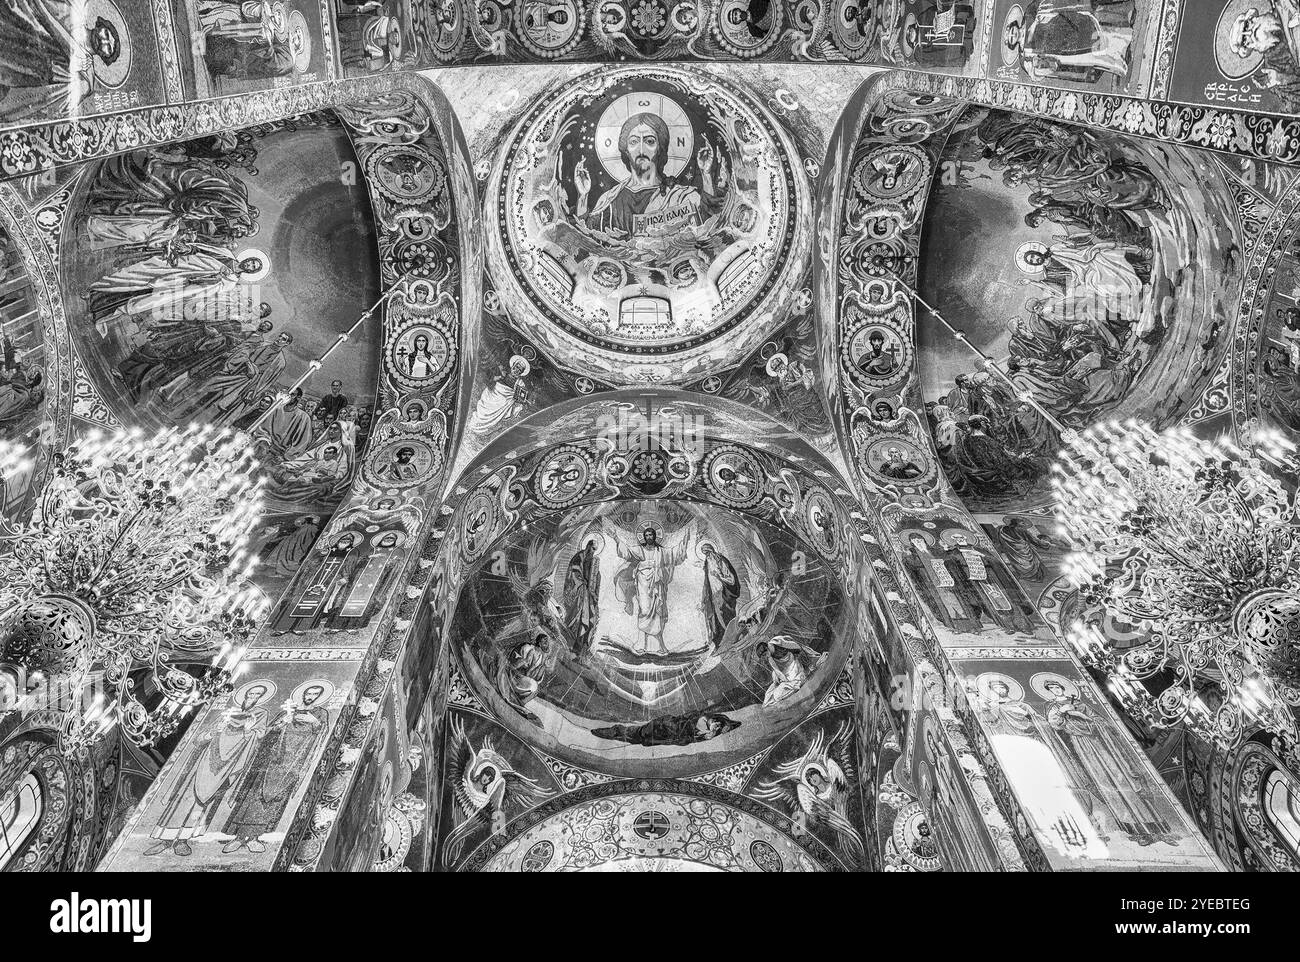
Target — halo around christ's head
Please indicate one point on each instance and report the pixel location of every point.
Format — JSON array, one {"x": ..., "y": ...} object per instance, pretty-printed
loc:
[{"x": 681, "y": 138}]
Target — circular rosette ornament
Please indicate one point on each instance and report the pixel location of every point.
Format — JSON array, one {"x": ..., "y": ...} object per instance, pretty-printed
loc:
[
  {"x": 734, "y": 476},
  {"x": 564, "y": 476}
]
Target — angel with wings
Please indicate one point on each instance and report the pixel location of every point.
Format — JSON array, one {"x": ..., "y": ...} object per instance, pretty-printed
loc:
[
  {"x": 814, "y": 789},
  {"x": 527, "y": 646},
  {"x": 642, "y": 583},
  {"x": 484, "y": 786}
]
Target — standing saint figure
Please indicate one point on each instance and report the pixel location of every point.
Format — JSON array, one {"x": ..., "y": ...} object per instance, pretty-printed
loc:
[
  {"x": 721, "y": 593},
  {"x": 643, "y": 583},
  {"x": 980, "y": 585},
  {"x": 217, "y": 762},
  {"x": 284, "y": 759},
  {"x": 247, "y": 374},
  {"x": 582, "y": 597},
  {"x": 938, "y": 587},
  {"x": 1101, "y": 768}
]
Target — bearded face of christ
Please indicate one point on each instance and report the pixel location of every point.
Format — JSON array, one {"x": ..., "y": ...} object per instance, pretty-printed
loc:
[{"x": 643, "y": 146}]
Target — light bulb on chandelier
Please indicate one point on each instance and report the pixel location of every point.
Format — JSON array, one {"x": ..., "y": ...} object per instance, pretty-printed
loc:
[
  {"x": 1195, "y": 543},
  {"x": 136, "y": 558},
  {"x": 132, "y": 570}
]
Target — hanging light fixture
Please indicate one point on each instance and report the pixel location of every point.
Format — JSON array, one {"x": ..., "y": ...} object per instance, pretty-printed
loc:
[
  {"x": 134, "y": 564},
  {"x": 1195, "y": 543}
]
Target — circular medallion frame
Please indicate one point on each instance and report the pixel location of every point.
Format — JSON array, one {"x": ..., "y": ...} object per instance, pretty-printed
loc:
[
  {"x": 479, "y": 517},
  {"x": 734, "y": 476},
  {"x": 422, "y": 367},
  {"x": 564, "y": 476},
  {"x": 403, "y": 461},
  {"x": 569, "y": 313}
]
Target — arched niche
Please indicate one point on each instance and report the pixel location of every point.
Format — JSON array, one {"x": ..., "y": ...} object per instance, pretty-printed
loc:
[
  {"x": 680, "y": 827},
  {"x": 535, "y": 540},
  {"x": 203, "y": 277}
]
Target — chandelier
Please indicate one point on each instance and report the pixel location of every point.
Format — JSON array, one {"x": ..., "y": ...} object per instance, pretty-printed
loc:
[
  {"x": 129, "y": 582},
  {"x": 1194, "y": 543}
]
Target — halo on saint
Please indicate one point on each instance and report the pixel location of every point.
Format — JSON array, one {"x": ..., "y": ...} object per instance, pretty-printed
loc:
[
  {"x": 1015, "y": 18},
  {"x": 325, "y": 684},
  {"x": 654, "y": 526},
  {"x": 261, "y": 255},
  {"x": 109, "y": 74},
  {"x": 399, "y": 536},
  {"x": 1233, "y": 59},
  {"x": 681, "y": 138},
  {"x": 1032, "y": 270},
  {"x": 1015, "y": 690},
  {"x": 240, "y": 695},
  {"x": 1039, "y": 684},
  {"x": 299, "y": 36},
  {"x": 701, "y": 545}
]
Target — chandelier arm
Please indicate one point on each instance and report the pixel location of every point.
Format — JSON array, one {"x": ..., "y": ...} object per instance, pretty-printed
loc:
[{"x": 112, "y": 548}]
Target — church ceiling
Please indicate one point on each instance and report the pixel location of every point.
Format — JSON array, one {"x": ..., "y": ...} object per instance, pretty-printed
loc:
[
  {"x": 274, "y": 229},
  {"x": 683, "y": 665},
  {"x": 1109, "y": 293},
  {"x": 649, "y": 456},
  {"x": 600, "y": 268}
]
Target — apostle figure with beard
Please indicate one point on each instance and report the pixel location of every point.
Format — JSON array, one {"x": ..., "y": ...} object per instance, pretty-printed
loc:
[
  {"x": 721, "y": 593},
  {"x": 1271, "y": 32},
  {"x": 982, "y": 461},
  {"x": 218, "y": 760},
  {"x": 980, "y": 585},
  {"x": 287, "y": 432},
  {"x": 582, "y": 598},
  {"x": 285, "y": 757},
  {"x": 249, "y": 371}
]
